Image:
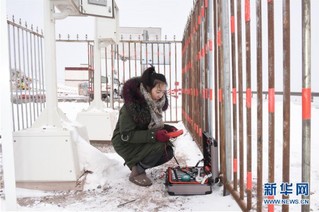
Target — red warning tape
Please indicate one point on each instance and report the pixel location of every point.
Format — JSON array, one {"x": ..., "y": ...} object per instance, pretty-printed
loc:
[
  {"x": 271, "y": 102},
  {"x": 249, "y": 181},
  {"x": 235, "y": 165},
  {"x": 234, "y": 96},
  {"x": 247, "y": 10},
  {"x": 232, "y": 24},
  {"x": 219, "y": 38},
  {"x": 248, "y": 98},
  {"x": 220, "y": 95},
  {"x": 271, "y": 207},
  {"x": 306, "y": 103}
]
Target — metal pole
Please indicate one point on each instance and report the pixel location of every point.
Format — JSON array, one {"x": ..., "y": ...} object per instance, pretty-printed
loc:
[
  {"x": 210, "y": 37},
  {"x": 259, "y": 107},
  {"x": 248, "y": 103},
  {"x": 286, "y": 97},
  {"x": 6, "y": 125},
  {"x": 227, "y": 92},
  {"x": 240, "y": 101},
  {"x": 216, "y": 68},
  {"x": 234, "y": 121},
  {"x": 271, "y": 99},
  {"x": 306, "y": 97}
]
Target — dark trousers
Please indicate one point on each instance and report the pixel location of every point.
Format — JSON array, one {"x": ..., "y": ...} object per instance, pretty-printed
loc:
[{"x": 156, "y": 159}]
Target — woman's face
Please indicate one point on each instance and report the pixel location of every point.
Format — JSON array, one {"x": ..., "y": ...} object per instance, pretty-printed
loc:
[{"x": 158, "y": 91}]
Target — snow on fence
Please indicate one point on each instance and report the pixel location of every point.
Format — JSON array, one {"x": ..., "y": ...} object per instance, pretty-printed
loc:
[
  {"x": 214, "y": 57},
  {"x": 26, "y": 73}
]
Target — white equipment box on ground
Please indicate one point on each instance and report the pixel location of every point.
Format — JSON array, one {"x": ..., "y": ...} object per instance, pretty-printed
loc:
[
  {"x": 45, "y": 155},
  {"x": 99, "y": 123}
]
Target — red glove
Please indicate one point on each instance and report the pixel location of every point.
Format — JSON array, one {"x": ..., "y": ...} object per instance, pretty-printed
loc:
[
  {"x": 169, "y": 128},
  {"x": 161, "y": 136}
]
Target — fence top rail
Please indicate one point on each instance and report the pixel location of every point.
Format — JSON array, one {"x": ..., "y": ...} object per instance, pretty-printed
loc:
[
  {"x": 25, "y": 28},
  {"x": 121, "y": 41},
  {"x": 74, "y": 40},
  {"x": 152, "y": 41},
  {"x": 316, "y": 94}
]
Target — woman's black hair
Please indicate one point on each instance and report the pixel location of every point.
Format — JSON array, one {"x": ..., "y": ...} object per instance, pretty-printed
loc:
[{"x": 150, "y": 78}]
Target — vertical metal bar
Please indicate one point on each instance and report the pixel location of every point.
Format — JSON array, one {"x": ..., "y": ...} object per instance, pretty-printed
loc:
[
  {"x": 11, "y": 77},
  {"x": 170, "y": 81},
  {"x": 286, "y": 97},
  {"x": 158, "y": 55},
  {"x": 109, "y": 81},
  {"x": 17, "y": 78},
  {"x": 146, "y": 54},
  {"x": 32, "y": 74},
  {"x": 176, "y": 79},
  {"x": 152, "y": 46},
  {"x": 27, "y": 77},
  {"x": 21, "y": 78},
  {"x": 35, "y": 75},
  {"x": 271, "y": 99},
  {"x": 123, "y": 54},
  {"x": 141, "y": 57},
  {"x": 164, "y": 53},
  {"x": 135, "y": 59},
  {"x": 206, "y": 68},
  {"x": 211, "y": 71},
  {"x": 42, "y": 75},
  {"x": 198, "y": 82},
  {"x": 112, "y": 73},
  {"x": 234, "y": 92},
  {"x": 240, "y": 100},
  {"x": 216, "y": 66},
  {"x": 248, "y": 103},
  {"x": 220, "y": 97},
  {"x": 259, "y": 107},
  {"x": 118, "y": 63},
  {"x": 129, "y": 58},
  {"x": 306, "y": 97},
  {"x": 28, "y": 46},
  {"x": 227, "y": 92}
]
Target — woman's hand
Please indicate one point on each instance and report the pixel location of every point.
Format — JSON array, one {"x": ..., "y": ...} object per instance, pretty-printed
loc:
[{"x": 161, "y": 136}]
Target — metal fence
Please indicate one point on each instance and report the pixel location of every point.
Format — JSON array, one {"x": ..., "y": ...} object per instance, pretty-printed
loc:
[
  {"x": 214, "y": 57},
  {"x": 26, "y": 73},
  {"x": 129, "y": 58}
]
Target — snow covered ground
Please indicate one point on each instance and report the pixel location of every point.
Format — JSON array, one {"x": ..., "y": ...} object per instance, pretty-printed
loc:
[{"x": 107, "y": 188}]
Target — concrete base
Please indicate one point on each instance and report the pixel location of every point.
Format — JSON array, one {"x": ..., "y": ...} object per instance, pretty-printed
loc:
[
  {"x": 52, "y": 186},
  {"x": 99, "y": 124},
  {"x": 45, "y": 155}
]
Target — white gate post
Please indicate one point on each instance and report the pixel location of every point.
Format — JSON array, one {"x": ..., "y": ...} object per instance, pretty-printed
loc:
[{"x": 6, "y": 126}]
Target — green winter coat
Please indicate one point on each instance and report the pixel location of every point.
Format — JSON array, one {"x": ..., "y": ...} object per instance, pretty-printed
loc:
[{"x": 132, "y": 139}]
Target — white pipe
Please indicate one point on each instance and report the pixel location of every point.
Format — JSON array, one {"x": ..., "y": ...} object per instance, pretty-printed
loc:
[
  {"x": 50, "y": 62},
  {"x": 97, "y": 102},
  {"x": 6, "y": 126}
]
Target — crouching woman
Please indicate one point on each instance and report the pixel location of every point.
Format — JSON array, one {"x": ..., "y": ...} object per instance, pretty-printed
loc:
[{"x": 140, "y": 136}]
